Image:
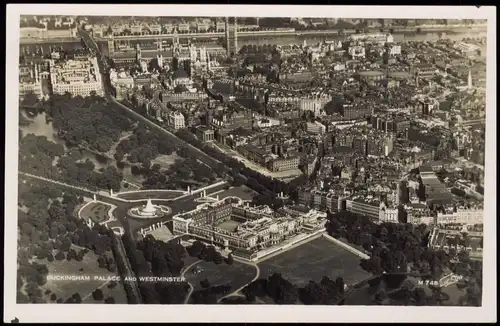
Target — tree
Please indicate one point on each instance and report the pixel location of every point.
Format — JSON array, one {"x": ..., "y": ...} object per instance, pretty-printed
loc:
[
  {"x": 205, "y": 283},
  {"x": 230, "y": 259},
  {"x": 97, "y": 295},
  {"x": 60, "y": 255},
  {"x": 110, "y": 300},
  {"x": 196, "y": 249},
  {"x": 76, "y": 298}
]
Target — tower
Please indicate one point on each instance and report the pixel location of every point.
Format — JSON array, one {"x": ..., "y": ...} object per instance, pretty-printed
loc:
[
  {"x": 231, "y": 35},
  {"x": 138, "y": 52},
  {"x": 175, "y": 40}
]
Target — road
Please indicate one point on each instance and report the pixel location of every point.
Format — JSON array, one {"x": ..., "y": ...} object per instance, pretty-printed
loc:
[
  {"x": 129, "y": 273},
  {"x": 92, "y": 192}
]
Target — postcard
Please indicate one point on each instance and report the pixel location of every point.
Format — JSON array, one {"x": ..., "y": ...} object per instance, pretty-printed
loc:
[{"x": 250, "y": 163}]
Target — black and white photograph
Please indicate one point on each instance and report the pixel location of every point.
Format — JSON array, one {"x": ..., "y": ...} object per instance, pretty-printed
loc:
[{"x": 250, "y": 163}]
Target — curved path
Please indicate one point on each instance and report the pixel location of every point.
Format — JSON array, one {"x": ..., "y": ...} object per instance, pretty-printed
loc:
[
  {"x": 255, "y": 278},
  {"x": 191, "y": 288}
]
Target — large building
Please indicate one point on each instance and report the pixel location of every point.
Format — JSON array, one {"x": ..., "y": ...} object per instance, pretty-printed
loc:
[
  {"x": 47, "y": 34},
  {"x": 380, "y": 38},
  {"x": 457, "y": 239},
  {"x": 352, "y": 111},
  {"x": 461, "y": 216},
  {"x": 232, "y": 223},
  {"x": 78, "y": 77},
  {"x": 176, "y": 120}
]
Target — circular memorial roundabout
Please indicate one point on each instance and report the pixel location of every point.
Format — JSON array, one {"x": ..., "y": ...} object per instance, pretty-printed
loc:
[{"x": 149, "y": 211}]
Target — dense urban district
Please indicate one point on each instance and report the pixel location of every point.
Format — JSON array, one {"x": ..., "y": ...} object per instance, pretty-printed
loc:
[{"x": 251, "y": 161}]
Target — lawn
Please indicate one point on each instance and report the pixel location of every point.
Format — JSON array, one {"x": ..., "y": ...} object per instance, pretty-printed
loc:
[
  {"x": 237, "y": 274},
  {"x": 98, "y": 212},
  {"x": 117, "y": 292},
  {"x": 87, "y": 267},
  {"x": 313, "y": 260},
  {"x": 229, "y": 225}
]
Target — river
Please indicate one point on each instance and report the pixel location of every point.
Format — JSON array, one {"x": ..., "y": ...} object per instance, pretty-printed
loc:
[
  {"x": 276, "y": 40},
  {"x": 40, "y": 127}
]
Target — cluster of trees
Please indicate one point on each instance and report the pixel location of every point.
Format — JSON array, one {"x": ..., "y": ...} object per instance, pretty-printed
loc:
[
  {"x": 37, "y": 154},
  {"x": 326, "y": 292},
  {"x": 392, "y": 247},
  {"x": 143, "y": 146},
  {"x": 151, "y": 257},
  {"x": 404, "y": 292},
  {"x": 88, "y": 122},
  {"x": 75, "y": 298},
  {"x": 206, "y": 253},
  {"x": 183, "y": 172},
  {"x": 30, "y": 100},
  {"x": 98, "y": 295},
  {"x": 282, "y": 291},
  {"x": 107, "y": 262},
  {"x": 209, "y": 294},
  {"x": 50, "y": 234}
]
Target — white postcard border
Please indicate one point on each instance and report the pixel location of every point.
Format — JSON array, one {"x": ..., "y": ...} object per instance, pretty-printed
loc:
[{"x": 247, "y": 313}]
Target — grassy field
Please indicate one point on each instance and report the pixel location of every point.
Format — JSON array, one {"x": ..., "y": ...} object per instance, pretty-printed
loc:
[
  {"x": 237, "y": 274},
  {"x": 229, "y": 225},
  {"x": 313, "y": 260},
  {"x": 98, "y": 212},
  {"x": 87, "y": 267},
  {"x": 118, "y": 293}
]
